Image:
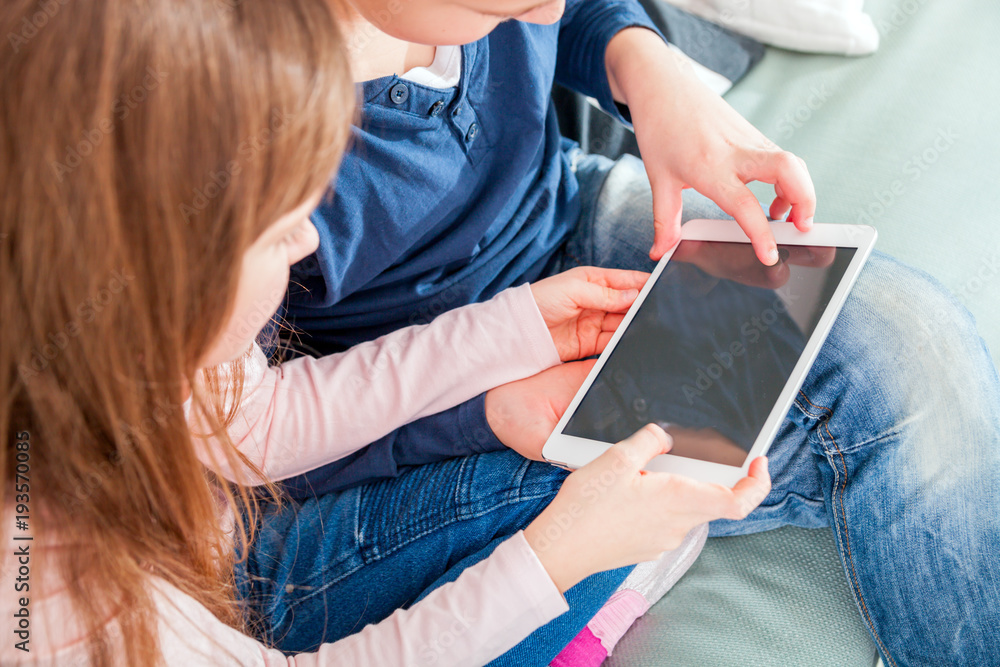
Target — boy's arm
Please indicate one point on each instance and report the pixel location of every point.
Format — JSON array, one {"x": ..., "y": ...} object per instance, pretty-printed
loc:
[
  {"x": 519, "y": 415},
  {"x": 308, "y": 412},
  {"x": 459, "y": 431},
  {"x": 688, "y": 136}
]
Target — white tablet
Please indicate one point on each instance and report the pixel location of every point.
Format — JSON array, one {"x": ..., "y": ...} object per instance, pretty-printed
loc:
[{"x": 715, "y": 348}]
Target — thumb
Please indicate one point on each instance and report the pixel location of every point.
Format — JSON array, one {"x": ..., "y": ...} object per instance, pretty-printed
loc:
[
  {"x": 606, "y": 298},
  {"x": 639, "y": 448},
  {"x": 668, "y": 203}
]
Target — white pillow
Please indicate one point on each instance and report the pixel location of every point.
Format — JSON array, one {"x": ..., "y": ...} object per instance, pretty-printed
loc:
[{"x": 819, "y": 26}]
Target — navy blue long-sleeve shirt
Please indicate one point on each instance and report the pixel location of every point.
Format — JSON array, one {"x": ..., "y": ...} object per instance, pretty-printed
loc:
[{"x": 446, "y": 197}]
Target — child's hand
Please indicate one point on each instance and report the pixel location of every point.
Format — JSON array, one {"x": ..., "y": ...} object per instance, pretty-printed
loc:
[
  {"x": 610, "y": 513},
  {"x": 690, "y": 137},
  {"x": 523, "y": 413},
  {"x": 582, "y": 307}
]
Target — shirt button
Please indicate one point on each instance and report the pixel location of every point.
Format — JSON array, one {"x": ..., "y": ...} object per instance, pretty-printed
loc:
[
  {"x": 473, "y": 131},
  {"x": 399, "y": 93},
  {"x": 435, "y": 109}
]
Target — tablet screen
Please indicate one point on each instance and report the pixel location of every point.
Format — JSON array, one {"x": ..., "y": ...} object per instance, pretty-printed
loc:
[{"x": 711, "y": 348}]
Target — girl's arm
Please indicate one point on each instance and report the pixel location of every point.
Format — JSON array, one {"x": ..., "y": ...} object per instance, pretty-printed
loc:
[
  {"x": 492, "y": 606},
  {"x": 307, "y": 412}
]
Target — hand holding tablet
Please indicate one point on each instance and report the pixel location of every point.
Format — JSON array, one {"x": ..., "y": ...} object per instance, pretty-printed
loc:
[
  {"x": 714, "y": 348},
  {"x": 611, "y": 513}
]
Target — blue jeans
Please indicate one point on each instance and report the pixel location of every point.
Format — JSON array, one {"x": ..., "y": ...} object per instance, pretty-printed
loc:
[
  {"x": 892, "y": 442},
  {"x": 322, "y": 569}
]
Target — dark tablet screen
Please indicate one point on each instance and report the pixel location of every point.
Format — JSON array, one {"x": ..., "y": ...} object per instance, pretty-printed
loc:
[{"x": 712, "y": 347}]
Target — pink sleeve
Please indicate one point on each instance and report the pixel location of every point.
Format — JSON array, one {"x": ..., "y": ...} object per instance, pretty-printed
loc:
[{"x": 307, "y": 412}]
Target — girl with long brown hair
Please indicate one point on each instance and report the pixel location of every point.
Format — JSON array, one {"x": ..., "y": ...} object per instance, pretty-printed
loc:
[{"x": 158, "y": 162}]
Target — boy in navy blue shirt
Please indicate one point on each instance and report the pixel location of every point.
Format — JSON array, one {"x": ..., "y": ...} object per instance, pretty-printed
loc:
[{"x": 453, "y": 193}]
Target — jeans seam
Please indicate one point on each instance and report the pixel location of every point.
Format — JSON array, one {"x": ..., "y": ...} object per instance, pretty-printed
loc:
[
  {"x": 840, "y": 482},
  {"x": 807, "y": 412},
  {"x": 826, "y": 411},
  {"x": 826, "y": 415}
]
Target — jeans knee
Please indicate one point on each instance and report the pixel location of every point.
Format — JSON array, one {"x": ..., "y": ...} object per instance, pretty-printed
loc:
[
  {"x": 906, "y": 321},
  {"x": 910, "y": 351}
]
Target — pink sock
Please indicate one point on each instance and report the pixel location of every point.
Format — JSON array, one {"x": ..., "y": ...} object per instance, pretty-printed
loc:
[
  {"x": 647, "y": 583},
  {"x": 585, "y": 650},
  {"x": 598, "y": 638},
  {"x": 616, "y": 616}
]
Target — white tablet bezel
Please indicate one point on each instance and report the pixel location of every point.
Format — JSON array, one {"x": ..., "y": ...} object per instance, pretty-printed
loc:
[{"x": 571, "y": 452}]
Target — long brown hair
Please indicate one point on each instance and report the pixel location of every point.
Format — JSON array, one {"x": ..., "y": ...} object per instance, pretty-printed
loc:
[{"x": 143, "y": 146}]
